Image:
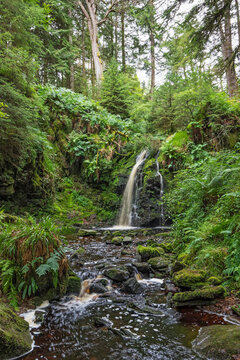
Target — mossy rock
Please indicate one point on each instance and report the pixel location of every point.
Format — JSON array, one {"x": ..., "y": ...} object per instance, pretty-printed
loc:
[
  {"x": 236, "y": 309},
  {"x": 148, "y": 252},
  {"x": 117, "y": 240},
  {"x": 214, "y": 280},
  {"x": 159, "y": 263},
  {"x": 184, "y": 258},
  {"x": 15, "y": 338},
  {"x": 219, "y": 342},
  {"x": 116, "y": 274},
  {"x": 74, "y": 285},
  {"x": 127, "y": 240},
  {"x": 207, "y": 293},
  {"x": 188, "y": 278},
  {"x": 87, "y": 232}
]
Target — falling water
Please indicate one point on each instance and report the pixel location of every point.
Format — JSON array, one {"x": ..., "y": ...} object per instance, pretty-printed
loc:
[
  {"x": 162, "y": 217},
  {"x": 127, "y": 201}
]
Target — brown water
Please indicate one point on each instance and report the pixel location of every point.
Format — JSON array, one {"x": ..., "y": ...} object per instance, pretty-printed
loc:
[{"x": 69, "y": 330}]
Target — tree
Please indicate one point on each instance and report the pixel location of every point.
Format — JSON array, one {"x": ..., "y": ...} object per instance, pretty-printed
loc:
[{"x": 89, "y": 9}]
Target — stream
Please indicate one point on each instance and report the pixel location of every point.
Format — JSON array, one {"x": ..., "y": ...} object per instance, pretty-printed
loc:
[{"x": 115, "y": 325}]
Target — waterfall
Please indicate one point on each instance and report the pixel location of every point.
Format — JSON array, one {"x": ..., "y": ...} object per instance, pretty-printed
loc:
[
  {"x": 162, "y": 217},
  {"x": 125, "y": 218}
]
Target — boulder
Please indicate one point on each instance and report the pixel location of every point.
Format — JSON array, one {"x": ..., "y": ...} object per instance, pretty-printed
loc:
[
  {"x": 15, "y": 338},
  {"x": 88, "y": 232},
  {"x": 116, "y": 274},
  {"x": 127, "y": 240},
  {"x": 148, "y": 252},
  {"x": 159, "y": 263},
  {"x": 132, "y": 286},
  {"x": 219, "y": 342},
  {"x": 199, "y": 296},
  {"x": 97, "y": 288},
  {"x": 142, "y": 267},
  {"x": 117, "y": 240},
  {"x": 74, "y": 285},
  {"x": 189, "y": 279}
]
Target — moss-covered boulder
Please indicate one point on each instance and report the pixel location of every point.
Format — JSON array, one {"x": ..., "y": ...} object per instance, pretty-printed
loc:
[
  {"x": 15, "y": 338},
  {"x": 214, "y": 280},
  {"x": 199, "y": 296},
  {"x": 87, "y": 232},
  {"x": 117, "y": 240},
  {"x": 116, "y": 274},
  {"x": 219, "y": 342},
  {"x": 159, "y": 263},
  {"x": 127, "y": 240},
  {"x": 142, "y": 267},
  {"x": 148, "y": 252},
  {"x": 189, "y": 279},
  {"x": 74, "y": 285}
]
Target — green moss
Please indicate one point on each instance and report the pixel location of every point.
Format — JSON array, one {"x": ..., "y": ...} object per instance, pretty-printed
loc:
[
  {"x": 188, "y": 278},
  {"x": 74, "y": 285},
  {"x": 15, "y": 338},
  {"x": 207, "y": 293},
  {"x": 117, "y": 240},
  {"x": 147, "y": 252},
  {"x": 159, "y": 263},
  {"x": 214, "y": 280}
]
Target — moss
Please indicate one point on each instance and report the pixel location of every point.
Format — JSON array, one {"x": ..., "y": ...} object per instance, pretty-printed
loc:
[
  {"x": 184, "y": 258},
  {"x": 220, "y": 342},
  {"x": 15, "y": 338},
  {"x": 116, "y": 274},
  {"x": 207, "y": 293},
  {"x": 167, "y": 247},
  {"x": 188, "y": 278},
  {"x": 214, "y": 280},
  {"x": 159, "y": 263},
  {"x": 74, "y": 285},
  {"x": 148, "y": 252},
  {"x": 117, "y": 240}
]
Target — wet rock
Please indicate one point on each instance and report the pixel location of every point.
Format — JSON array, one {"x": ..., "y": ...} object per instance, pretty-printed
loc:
[
  {"x": 77, "y": 253},
  {"x": 39, "y": 316},
  {"x": 126, "y": 252},
  {"x": 199, "y": 296},
  {"x": 158, "y": 263},
  {"x": 103, "y": 322},
  {"x": 15, "y": 338},
  {"x": 220, "y": 342},
  {"x": 127, "y": 240},
  {"x": 170, "y": 287},
  {"x": 117, "y": 240},
  {"x": 189, "y": 279},
  {"x": 88, "y": 232},
  {"x": 102, "y": 281},
  {"x": 74, "y": 285},
  {"x": 132, "y": 286},
  {"x": 148, "y": 252},
  {"x": 97, "y": 288},
  {"x": 116, "y": 274},
  {"x": 142, "y": 267}
]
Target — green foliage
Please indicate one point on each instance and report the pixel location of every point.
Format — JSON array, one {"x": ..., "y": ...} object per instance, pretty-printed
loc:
[
  {"x": 29, "y": 251},
  {"x": 204, "y": 203},
  {"x": 119, "y": 90}
]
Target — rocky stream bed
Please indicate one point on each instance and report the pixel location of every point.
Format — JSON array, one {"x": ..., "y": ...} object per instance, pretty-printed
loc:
[{"x": 123, "y": 306}]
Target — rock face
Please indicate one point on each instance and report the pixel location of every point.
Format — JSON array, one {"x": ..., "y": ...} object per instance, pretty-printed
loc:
[
  {"x": 15, "y": 338},
  {"x": 220, "y": 342}
]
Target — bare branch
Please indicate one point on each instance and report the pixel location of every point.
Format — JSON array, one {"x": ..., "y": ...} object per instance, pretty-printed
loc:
[
  {"x": 110, "y": 9},
  {"x": 83, "y": 9}
]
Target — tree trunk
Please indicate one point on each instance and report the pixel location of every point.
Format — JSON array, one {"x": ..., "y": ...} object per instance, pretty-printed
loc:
[
  {"x": 227, "y": 50},
  {"x": 152, "y": 44},
  {"x": 71, "y": 65},
  {"x": 238, "y": 20},
  {"x": 123, "y": 40},
  {"x": 83, "y": 49}
]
